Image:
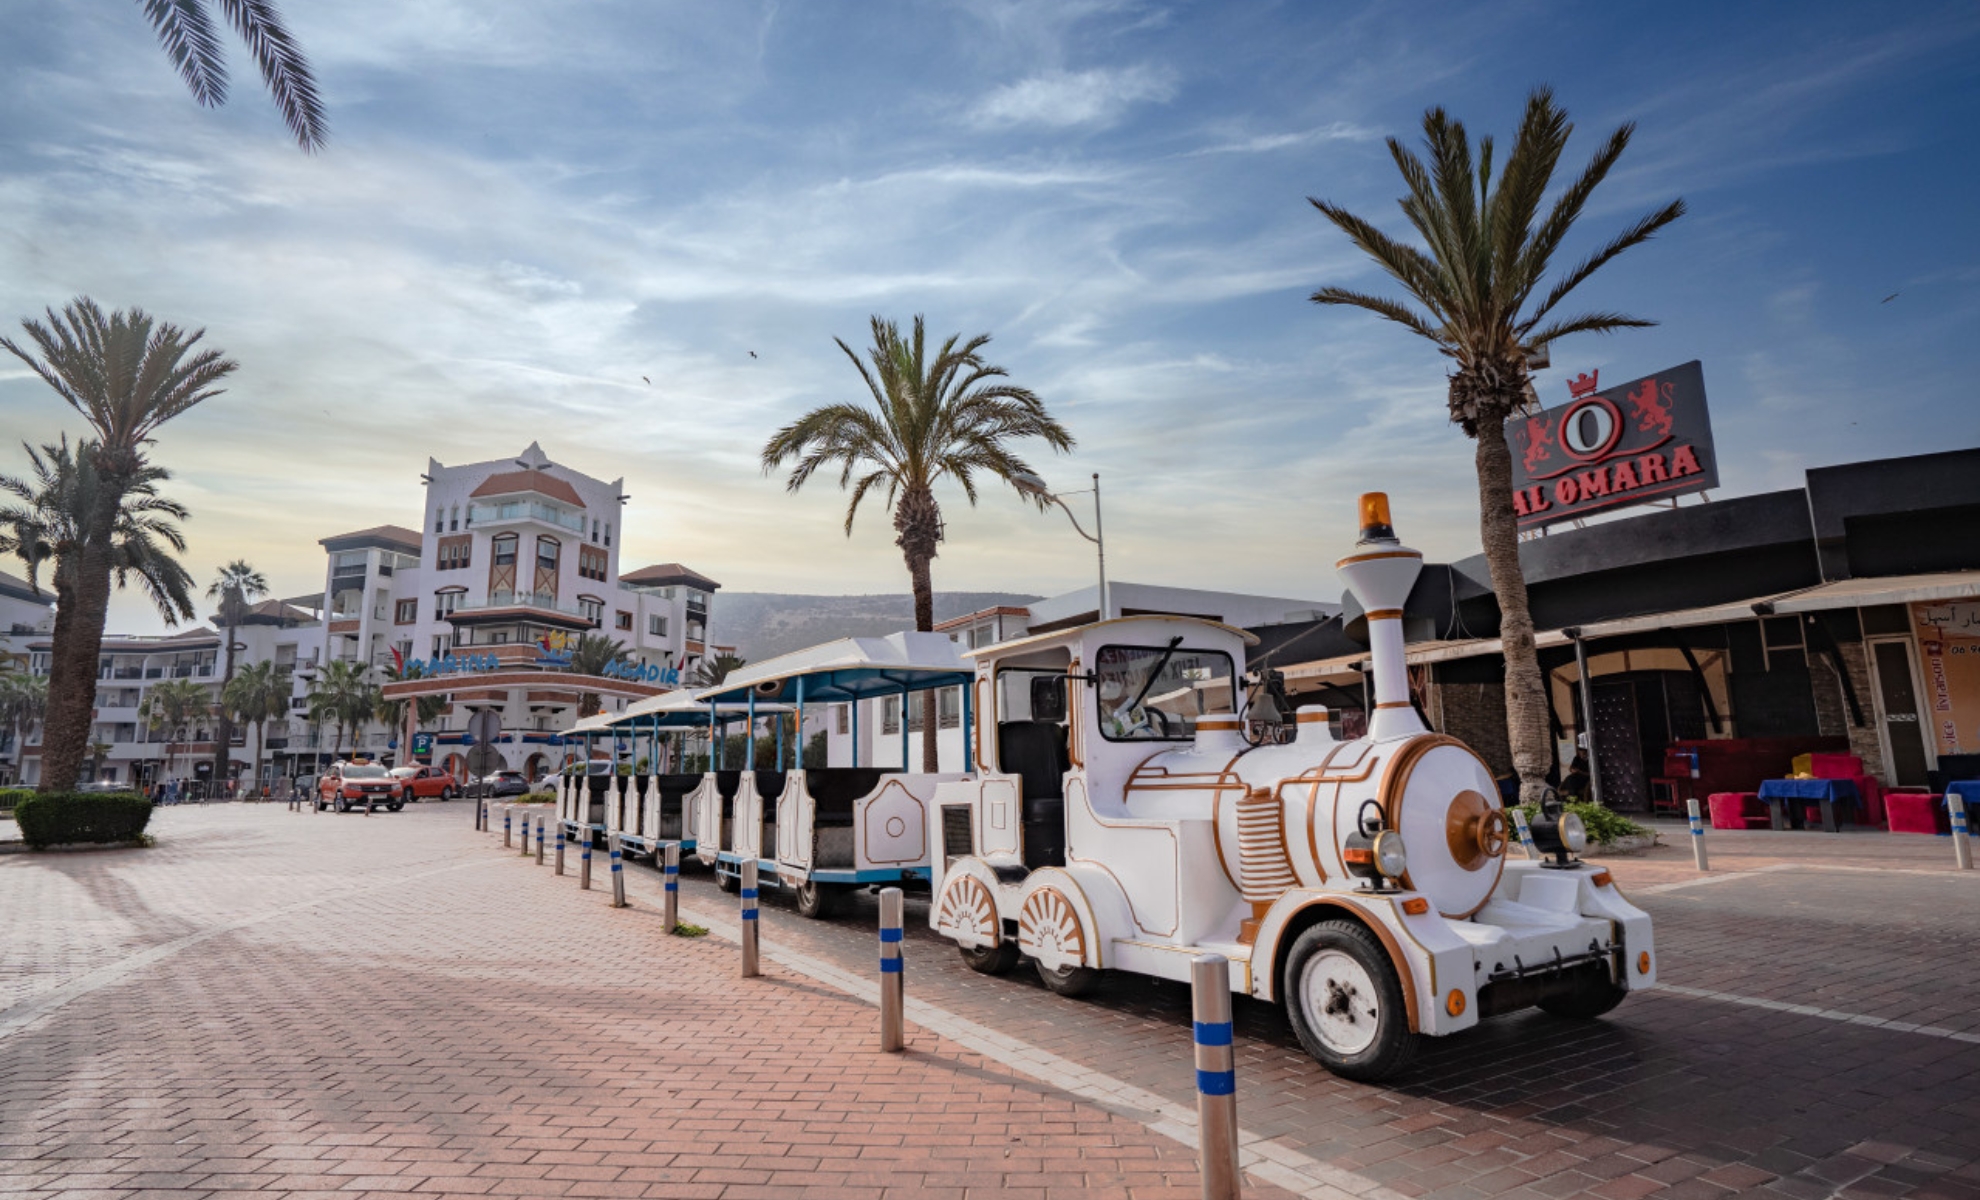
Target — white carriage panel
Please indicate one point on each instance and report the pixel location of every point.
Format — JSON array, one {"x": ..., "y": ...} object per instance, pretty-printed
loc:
[
  {"x": 1209, "y": 908},
  {"x": 893, "y": 824},
  {"x": 1142, "y": 857},
  {"x": 748, "y": 827},
  {"x": 707, "y": 802},
  {"x": 1001, "y": 812},
  {"x": 794, "y": 820}
]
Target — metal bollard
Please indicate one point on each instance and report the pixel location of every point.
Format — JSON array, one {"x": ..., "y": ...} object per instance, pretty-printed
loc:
[
  {"x": 560, "y": 849},
  {"x": 672, "y": 889},
  {"x": 1216, "y": 1077},
  {"x": 525, "y": 831},
  {"x": 507, "y": 815},
  {"x": 893, "y": 989},
  {"x": 749, "y": 970},
  {"x": 541, "y": 834},
  {"x": 1962, "y": 849},
  {"x": 618, "y": 871},
  {"x": 584, "y": 861},
  {"x": 1697, "y": 835},
  {"x": 1525, "y": 834}
]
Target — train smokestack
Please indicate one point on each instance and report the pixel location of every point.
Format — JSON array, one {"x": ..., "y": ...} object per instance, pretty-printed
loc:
[{"x": 1381, "y": 572}]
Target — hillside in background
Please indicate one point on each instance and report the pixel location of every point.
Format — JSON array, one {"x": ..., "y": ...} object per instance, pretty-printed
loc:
[{"x": 765, "y": 624}]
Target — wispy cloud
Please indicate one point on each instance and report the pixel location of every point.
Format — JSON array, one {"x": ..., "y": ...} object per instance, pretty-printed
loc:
[{"x": 1059, "y": 99}]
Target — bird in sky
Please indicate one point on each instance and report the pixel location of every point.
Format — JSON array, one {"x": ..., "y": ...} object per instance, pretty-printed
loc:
[
  {"x": 1889, "y": 298},
  {"x": 648, "y": 382},
  {"x": 752, "y": 354}
]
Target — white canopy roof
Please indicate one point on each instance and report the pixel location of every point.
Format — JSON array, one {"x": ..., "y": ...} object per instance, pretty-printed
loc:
[{"x": 851, "y": 668}]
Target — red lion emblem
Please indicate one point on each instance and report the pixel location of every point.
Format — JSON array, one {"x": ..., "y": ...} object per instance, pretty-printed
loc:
[
  {"x": 1652, "y": 403},
  {"x": 1535, "y": 440}
]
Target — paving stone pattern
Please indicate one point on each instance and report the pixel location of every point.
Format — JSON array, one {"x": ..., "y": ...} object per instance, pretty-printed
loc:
[{"x": 424, "y": 1013}]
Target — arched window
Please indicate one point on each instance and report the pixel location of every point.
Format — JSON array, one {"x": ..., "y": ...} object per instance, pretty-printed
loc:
[
  {"x": 502, "y": 571},
  {"x": 547, "y": 551}
]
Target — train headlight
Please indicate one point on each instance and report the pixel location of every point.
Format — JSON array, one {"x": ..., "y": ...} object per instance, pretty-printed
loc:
[
  {"x": 1574, "y": 833},
  {"x": 1558, "y": 832},
  {"x": 1391, "y": 856}
]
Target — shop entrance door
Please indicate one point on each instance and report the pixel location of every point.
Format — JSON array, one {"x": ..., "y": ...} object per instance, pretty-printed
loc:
[
  {"x": 1903, "y": 725},
  {"x": 1619, "y": 747}
]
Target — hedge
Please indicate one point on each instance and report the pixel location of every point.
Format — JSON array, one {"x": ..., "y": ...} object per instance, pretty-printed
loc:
[
  {"x": 9, "y": 797},
  {"x": 537, "y": 797},
  {"x": 62, "y": 818},
  {"x": 1604, "y": 825}
]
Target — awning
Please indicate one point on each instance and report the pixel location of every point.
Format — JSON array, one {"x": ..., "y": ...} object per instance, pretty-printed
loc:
[{"x": 850, "y": 669}]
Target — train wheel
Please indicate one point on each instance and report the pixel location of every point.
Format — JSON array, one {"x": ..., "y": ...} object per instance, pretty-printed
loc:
[
  {"x": 1346, "y": 1002},
  {"x": 1068, "y": 980},
  {"x": 1593, "y": 997},
  {"x": 991, "y": 960},
  {"x": 817, "y": 900}
]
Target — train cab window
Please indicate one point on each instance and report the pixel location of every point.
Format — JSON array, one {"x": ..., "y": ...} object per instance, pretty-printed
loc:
[
  {"x": 1155, "y": 693},
  {"x": 1031, "y": 716}
]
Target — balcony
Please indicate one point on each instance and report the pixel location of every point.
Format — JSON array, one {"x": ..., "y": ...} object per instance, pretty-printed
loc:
[
  {"x": 514, "y": 511},
  {"x": 504, "y": 603}
]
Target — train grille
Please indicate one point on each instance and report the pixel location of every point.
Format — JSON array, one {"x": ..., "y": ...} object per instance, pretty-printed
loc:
[{"x": 1265, "y": 869}]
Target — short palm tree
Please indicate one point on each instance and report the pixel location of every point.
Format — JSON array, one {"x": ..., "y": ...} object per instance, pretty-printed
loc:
[
  {"x": 392, "y": 713},
  {"x": 712, "y": 671},
  {"x": 256, "y": 696},
  {"x": 949, "y": 416},
  {"x": 236, "y": 587},
  {"x": 593, "y": 653},
  {"x": 23, "y": 698},
  {"x": 1477, "y": 288},
  {"x": 342, "y": 693},
  {"x": 170, "y": 707},
  {"x": 186, "y": 32},
  {"x": 127, "y": 375}
]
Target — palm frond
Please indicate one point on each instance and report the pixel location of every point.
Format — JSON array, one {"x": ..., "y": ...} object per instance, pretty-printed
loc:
[
  {"x": 189, "y": 41},
  {"x": 1600, "y": 322},
  {"x": 1645, "y": 228}
]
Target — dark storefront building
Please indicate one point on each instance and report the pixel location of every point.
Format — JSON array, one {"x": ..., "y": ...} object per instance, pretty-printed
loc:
[{"x": 1843, "y": 616}]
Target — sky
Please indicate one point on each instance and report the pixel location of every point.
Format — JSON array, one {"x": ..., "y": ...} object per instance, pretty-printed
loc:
[{"x": 525, "y": 208}]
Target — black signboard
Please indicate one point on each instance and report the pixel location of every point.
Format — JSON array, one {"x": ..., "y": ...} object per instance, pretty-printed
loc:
[{"x": 1649, "y": 439}]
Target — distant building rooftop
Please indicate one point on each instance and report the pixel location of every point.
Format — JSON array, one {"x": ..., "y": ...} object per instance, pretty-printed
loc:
[
  {"x": 391, "y": 537},
  {"x": 665, "y": 574}
]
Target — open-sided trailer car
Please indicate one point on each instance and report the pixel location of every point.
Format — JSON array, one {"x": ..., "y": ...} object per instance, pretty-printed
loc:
[
  {"x": 658, "y": 807},
  {"x": 826, "y": 831}
]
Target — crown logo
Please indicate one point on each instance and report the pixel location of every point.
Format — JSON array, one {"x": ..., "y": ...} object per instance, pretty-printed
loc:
[{"x": 1584, "y": 386}]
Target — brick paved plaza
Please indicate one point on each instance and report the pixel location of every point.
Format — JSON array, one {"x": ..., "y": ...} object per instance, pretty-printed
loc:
[{"x": 292, "y": 1004}]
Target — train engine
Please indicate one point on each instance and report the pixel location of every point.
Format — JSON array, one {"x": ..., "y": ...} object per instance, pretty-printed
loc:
[{"x": 1130, "y": 812}]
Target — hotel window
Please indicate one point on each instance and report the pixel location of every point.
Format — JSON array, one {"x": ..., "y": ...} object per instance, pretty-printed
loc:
[
  {"x": 454, "y": 525},
  {"x": 594, "y": 529},
  {"x": 439, "y": 520},
  {"x": 592, "y": 610},
  {"x": 405, "y": 612},
  {"x": 656, "y": 626},
  {"x": 622, "y": 620},
  {"x": 443, "y": 604},
  {"x": 608, "y": 533},
  {"x": 591, "y": 563},
  {"x": 441, "y": 644}
]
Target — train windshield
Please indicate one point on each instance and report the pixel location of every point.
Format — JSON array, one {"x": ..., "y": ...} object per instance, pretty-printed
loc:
[{"x": 1155, "y": 693}]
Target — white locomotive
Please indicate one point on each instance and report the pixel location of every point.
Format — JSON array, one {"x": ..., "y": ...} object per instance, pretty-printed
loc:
[{"x": 1125, "y": 816}]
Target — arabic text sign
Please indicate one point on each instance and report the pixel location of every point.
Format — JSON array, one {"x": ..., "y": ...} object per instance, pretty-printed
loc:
[
  {"x": 1649, "y": 439},
  {"x": 1949, "y": 641}
]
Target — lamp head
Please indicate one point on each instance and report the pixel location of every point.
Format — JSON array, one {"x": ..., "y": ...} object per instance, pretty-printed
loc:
[
  {"x": 1375, "y": 523},
  {"x": 1031, "y": 485}
]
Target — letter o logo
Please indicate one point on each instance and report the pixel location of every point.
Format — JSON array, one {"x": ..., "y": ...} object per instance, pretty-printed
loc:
[{"x": 1590, "y": 429}]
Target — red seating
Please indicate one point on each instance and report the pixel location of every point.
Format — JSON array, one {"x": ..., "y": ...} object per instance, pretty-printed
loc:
[
  {"x": 1738, "y": 810},
  {"x": 1917, "y": 812},
  {"x": 1850, "y": 767}
]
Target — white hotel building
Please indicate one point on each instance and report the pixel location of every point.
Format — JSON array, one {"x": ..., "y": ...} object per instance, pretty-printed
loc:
[{"x": 513, "y": 558}]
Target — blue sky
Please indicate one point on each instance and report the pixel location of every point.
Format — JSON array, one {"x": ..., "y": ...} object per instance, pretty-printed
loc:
[{"x": 524, "y": 208}]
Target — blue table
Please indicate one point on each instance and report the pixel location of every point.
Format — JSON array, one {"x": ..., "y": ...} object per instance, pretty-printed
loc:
[
  {"x": 1968, "y": 790},
  {"x": 1777, "y": 793}
]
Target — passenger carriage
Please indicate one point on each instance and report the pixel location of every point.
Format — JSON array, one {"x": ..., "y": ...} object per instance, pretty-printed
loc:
[
  {"x": 826, "y": 831},
  {"x": 1129, "y": 814},
  {"x": 659, "y": 805},
  {"x": 581, "y": 796}
]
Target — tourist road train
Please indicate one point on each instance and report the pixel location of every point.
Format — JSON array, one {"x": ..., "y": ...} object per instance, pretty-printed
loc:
[{"x": 1123, "y": 808}]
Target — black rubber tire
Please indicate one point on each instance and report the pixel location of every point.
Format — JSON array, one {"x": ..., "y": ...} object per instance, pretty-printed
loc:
[
  {"x": 446, "y": 793},
  {"x": 816, "y": 900},
  {"x": 990, "y": 960},
  {"x": 727, "y": 882},
  {"x": 1393, "y": 1044},
  {"x": 1593, "y": 998},
  {"x": 1068, "y": 981},
  {"x": 395, "y": 806}
]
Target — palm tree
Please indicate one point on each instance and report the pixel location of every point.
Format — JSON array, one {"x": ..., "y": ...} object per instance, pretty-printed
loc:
[
  {"x": 236, "y": 588},
  {"x": 344, "y": 695},
  {"x": 169, "y": 706},
  {"x": 1475, "y": 288},
  {"x": 712, "y": 671},
  {"x": 593, "y": 653},
  {"x": 186, "y": 32},
  {"x": 258, "y": 695},
  {"x": 127, "y": 376},
  {"x": 23, "y": 699},
  {"x": 392, "y": 713},
  {"x": 949, "y": 416}
]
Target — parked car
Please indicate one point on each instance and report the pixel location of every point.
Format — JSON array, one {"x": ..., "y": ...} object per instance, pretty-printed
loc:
[
  {"x": 351, "y": 785},
  {"x": 424, "y": 783},
  {"x": 506, "y": 783}
]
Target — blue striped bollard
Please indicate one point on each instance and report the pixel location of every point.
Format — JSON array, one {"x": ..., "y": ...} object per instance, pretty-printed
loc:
[
  {"x": 1697, "y": 835},
  {"x": 1216, "y": 1076},
  {"x": 1525, "y": 833},
  {"x": 507, "y": 814},
  {"x": 525, "y": 833},
  {"x": 584, "y": 860},
  {"x": 560, "y": 849},
  {"x": 893, "y": 990},
  {"x": 1962, "y": 849},
  {"x": 542, "y": 834},
  {"x": 618, "y": 871},
  {"x": 671, "y": 870},
  {"x": 749, "y": 970}
]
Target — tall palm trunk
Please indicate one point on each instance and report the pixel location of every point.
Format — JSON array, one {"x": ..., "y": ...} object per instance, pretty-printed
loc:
[
  {"x": 224, "y": 751},
  {"x": 918, "y": 523},
  {"x": 82, "y": 607},
  {"x": 1526, "y": 693}
]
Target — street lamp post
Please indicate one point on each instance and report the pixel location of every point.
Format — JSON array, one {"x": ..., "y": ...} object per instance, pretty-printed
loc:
[{"x": 1032, "y": 485}]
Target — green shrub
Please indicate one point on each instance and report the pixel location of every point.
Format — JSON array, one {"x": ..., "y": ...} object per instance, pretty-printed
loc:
[
  {"x": 537, "y": 798},
  {"x": 61, "y": 818},
  {"x": 1604, "y": 825},
  {"x": 9, "y": 797}
]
